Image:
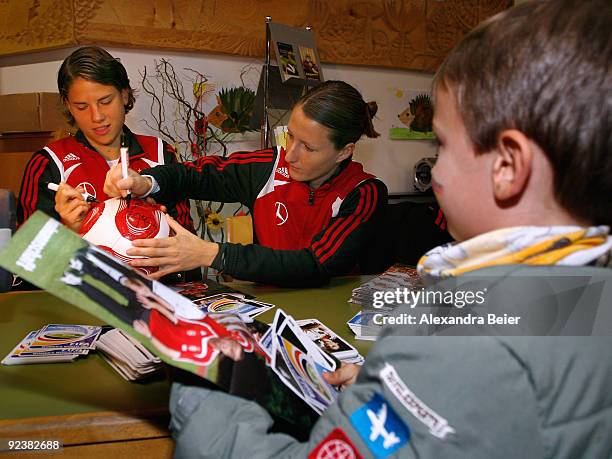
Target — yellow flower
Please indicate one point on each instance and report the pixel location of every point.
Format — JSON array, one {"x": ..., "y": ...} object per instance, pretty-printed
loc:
[{"x": 214, "y": 221}]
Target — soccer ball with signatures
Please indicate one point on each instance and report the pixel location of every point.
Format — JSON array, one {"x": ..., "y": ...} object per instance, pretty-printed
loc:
[{"x": 112, "y": 225}]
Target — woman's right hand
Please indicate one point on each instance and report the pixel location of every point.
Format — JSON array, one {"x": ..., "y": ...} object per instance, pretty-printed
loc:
[
  {"x": 71, "y": 206},
  {"x": 115, "y": 185}
]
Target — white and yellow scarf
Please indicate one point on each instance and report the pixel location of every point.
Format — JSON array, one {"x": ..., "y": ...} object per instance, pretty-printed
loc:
[{"x": 531, "y": 245}]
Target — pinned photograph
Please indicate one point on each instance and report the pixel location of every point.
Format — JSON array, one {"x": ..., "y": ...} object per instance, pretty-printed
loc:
[
  {"x": 310, "y": 63},
  {"x": 287, "y": 61},
  {"x": 414, "y": 116},
  {"x": 296, "y": 55}
]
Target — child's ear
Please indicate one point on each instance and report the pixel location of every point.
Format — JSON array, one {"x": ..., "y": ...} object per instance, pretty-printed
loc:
[{"x": 512, "y": 166}]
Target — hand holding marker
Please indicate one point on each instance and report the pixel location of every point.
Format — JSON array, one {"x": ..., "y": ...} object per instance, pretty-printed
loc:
[
  {"x": 86, "y": 196},
  {"x": 124, "y": 167}
]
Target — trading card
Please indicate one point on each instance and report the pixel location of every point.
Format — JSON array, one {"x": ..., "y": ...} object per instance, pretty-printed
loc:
[
  {"x": 227, "y": 303},
  {"x": 292, "y": 331},
  {"x": 66, "y": 336},
  {"x": 325, "y": 338},
  {"x": 307, "y": 373},
  {"x": 363, "y": 319},
  {"x": 308, "y": 58},
  {"x": 282, "y": 370},
  {"x": 287, "y": 60},
  {"x": 192, "y": 290},
  {"x": 266, "y": 342}
]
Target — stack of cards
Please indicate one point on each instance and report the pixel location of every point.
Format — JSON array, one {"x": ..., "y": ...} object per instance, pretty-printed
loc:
[
  {"x": 396, "y": 277},
  {"x": 54, "y": 343},
  {"x": 298, "y": 362},
  {"x": 363, "y": 326},
  {"x": 127, "y": 356},
  {"x": 329, "y": 341},
  {"x": 371, "y": 295}
]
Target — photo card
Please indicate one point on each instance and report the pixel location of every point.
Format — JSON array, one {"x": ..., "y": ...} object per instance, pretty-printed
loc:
[
  {"x": 287, "y": 61},
  {"x": 310, "y": 63},
  {"x": 296, "y": 53}
]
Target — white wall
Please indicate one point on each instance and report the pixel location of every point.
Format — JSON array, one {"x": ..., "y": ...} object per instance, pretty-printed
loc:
[{"x": 391, "y": 160}]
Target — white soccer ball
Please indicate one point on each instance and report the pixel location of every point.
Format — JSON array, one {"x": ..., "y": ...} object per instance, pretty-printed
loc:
[{"x": 112, "y": 226}]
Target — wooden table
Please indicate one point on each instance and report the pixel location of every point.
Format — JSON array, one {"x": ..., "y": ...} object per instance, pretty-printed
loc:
[
  {"x": 85, "y": 404},
  {"x": 88, "y": 406}
]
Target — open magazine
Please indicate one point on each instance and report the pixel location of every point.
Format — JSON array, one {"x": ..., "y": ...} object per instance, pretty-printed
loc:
[{"x": 271, "y": 365}]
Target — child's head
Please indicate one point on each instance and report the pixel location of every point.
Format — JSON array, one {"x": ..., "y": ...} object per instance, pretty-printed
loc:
[
  {"x": 530, "y": 93},
  {"x": 96, "y": 65}
]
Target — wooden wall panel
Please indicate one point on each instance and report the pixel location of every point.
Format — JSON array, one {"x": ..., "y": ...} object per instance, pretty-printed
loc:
[
  {"x": 33, "y": 25},
  {"x": 414, "y": 34}
]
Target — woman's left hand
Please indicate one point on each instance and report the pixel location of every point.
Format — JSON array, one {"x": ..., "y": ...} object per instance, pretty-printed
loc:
[{"x": 181, "y": 252}]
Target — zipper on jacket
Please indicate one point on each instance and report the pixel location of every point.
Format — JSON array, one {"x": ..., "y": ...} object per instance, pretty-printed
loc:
[{"x": 311, "y": 196}]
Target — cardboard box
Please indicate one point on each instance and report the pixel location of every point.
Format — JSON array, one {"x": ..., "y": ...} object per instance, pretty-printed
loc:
[{"x": 31, "y": 112}]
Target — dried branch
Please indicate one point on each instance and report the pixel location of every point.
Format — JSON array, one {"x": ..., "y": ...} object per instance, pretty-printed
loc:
[
  {"x": 157, "y": 115},
  {"x": 178, "y": 116}
]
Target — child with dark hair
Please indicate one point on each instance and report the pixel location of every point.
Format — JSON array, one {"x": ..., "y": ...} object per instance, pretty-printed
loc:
[
  {"x": 314, "y": 208},
  {"x": 96, "y": 92},
  {"x": 523, "y": 114}
]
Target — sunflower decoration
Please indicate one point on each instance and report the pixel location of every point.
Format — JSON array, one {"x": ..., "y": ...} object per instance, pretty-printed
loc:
[{"x": 214, "y": 221}]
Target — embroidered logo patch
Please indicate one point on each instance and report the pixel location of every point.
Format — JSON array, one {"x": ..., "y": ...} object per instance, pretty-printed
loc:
[
  {"x": 70, "y": 157},
  {"x": 380, "y": 427},
  {"x": 88, "y": 187},
  {"x": 337, "y": 445},
  {"x": 284, "y": 171},
  {"x": 438, "y": 426},
  {"x": 282, "y": 214}
]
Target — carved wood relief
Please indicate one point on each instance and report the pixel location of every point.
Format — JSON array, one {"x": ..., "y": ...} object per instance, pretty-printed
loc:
[
  {"x": 414, "y": 34},
  {"x": 32, "y": 25}
]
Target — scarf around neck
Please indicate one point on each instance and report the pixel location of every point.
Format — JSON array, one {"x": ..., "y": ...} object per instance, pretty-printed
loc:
[{"x": 531, "y": 245}]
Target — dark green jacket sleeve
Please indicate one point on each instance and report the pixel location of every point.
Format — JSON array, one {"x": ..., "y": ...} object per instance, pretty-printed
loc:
[
  {"x": 34, "y": 194},
  {"x": 331, "y": 252},
  {"x": 179, "y": 209},
  {"x": 237, "y": 178}
]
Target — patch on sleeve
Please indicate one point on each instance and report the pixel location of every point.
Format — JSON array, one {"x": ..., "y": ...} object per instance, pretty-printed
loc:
[
  {"x": 382, "y": 430},
  {"x": 337, "y": 445},
  {"x": 438, "y": 426}
]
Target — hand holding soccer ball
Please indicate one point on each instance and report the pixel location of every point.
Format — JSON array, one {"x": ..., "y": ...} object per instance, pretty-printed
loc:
[
  {"x": 180, "y": 252},
  {"x": 71, "y": 206},
  {"x": 112, "y": 225},
  {"x": 116, "y": 185}
]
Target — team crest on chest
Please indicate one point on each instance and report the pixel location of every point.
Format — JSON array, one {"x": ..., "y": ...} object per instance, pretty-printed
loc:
[
  {"x": 88, "y": 187},
  {"x": 282, "y": 214}
]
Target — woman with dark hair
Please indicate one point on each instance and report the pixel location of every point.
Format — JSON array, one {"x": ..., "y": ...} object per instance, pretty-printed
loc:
[
  {"x": 314, "y": 208},
  {"x": 96, "y": 92}
]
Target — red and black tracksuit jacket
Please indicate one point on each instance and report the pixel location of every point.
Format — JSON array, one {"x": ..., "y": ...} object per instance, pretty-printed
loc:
[
  {"x": 73, "y": 160},
  {"x": 302, "y": 236}
]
